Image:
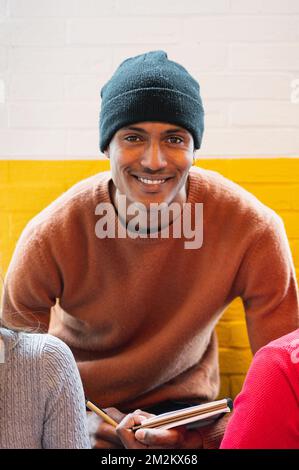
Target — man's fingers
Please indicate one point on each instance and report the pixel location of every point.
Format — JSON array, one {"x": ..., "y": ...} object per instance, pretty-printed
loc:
[
  {"x": 133, "y": 419},
  {"x": 144, "y": 414},
  {"x": 168, "y": 438},
  {"x": 179, "y": 438},
  {"x": 125, "y": 433}
]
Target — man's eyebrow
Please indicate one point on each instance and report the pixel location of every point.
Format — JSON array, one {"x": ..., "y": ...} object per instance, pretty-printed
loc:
[
  {"x": 131, "y": 128},
  {"x": 140, "y": 129},
  {"x": 176, "y": 129}
]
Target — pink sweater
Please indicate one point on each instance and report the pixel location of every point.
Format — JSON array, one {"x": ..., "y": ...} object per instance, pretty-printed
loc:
[
  {"x": 139, "y": 314},
  {"x": 266, "y": 414}
]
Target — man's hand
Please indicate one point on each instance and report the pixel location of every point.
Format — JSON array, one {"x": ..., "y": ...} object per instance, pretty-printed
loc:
[
  {"x": 176, "y": 438},
  {"x": 125, "y": 433},
  {"x": 105, "y": 436}
]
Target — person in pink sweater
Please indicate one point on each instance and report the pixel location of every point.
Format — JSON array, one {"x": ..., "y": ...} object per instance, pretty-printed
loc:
[
  {"x": 266, "y": 412},
  {"x": 137, "y": 298}
]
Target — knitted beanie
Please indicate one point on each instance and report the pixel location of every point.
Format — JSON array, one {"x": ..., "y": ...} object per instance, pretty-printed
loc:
[{"x": 149, "y": 87}]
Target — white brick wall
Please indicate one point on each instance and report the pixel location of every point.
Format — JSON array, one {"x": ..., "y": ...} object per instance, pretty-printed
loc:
[
  {"x": 2, "y": 92},
  {"x": 33, "y": 143},
  {"x": 62, "y": 8},
  {"x": 3, "y": 6},
  {"x": 265, "y": 6},
  {"x": 55, "y": 55},
  {"x": 3, "y": 60},
  {"x": 270, "y": 57},
  {"x": 114, "y": 31}
]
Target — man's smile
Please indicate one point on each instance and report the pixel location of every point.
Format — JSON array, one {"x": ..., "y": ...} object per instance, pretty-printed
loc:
[{"x": 151, "y": 183}]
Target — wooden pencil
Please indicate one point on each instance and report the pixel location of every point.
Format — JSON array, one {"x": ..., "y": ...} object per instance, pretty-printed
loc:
[{"x": 100, "y": 413}]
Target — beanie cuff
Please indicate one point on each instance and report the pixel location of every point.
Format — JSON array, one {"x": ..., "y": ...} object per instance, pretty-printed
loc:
[{"x": 151, "y": 104}]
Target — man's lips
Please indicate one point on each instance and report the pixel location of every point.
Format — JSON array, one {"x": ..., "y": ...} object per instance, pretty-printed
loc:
[
  {"x": 152, "y": 177},
  {"x": 152, "y": 182}
]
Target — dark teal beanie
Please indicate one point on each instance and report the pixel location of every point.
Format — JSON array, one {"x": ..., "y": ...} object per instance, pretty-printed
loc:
[{"x": 149, "y": 87}]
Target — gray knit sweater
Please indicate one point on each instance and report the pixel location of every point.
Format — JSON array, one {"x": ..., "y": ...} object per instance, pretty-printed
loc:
[{"x": 41, "y": 394}]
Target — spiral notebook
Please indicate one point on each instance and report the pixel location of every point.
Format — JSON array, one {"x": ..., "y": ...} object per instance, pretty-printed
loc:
[{"x": 193, "y": 416}]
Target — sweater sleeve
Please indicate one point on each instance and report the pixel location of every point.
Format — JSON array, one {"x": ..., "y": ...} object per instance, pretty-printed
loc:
[
  {"x": 65, "y": 422},
  {"x": 266, "y": 411},
  {"x": 268, "y": 287},
  {"x": 31, "y": 285}
]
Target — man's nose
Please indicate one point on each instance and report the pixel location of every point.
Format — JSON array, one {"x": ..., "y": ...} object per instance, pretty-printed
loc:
[{"x": 153, "y": 158}]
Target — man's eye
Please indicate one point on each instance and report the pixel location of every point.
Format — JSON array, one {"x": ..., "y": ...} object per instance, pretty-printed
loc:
[
  {"x": 175, "y": 140},
  {"x": 132, "y": 138}
]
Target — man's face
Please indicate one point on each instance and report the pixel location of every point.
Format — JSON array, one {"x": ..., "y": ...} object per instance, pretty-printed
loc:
[{"x": 150, "y": 162}]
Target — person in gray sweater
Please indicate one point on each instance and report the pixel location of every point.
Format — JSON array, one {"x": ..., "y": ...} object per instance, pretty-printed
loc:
[{"x": 41, "y": 395}]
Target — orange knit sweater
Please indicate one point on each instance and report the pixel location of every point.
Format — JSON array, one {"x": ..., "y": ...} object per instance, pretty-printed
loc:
[{"x": 139, "y": 314}]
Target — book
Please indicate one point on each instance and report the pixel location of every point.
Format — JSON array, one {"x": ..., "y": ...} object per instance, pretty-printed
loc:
[{"x": 193, "y": 416}]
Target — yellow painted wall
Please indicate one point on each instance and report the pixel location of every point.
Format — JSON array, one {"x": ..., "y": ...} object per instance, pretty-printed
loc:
[{"x": 28, "y": 186}]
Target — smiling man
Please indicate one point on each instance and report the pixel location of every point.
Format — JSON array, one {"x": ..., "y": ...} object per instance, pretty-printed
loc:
[{"x": 139, "y": 312}]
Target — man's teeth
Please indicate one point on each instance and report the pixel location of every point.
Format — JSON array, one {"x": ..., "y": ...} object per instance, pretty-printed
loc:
[{"x": 146, "y": 181}]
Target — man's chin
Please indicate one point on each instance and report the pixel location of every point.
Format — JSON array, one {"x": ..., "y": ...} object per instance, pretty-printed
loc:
[{"x": 150, "y": 204}]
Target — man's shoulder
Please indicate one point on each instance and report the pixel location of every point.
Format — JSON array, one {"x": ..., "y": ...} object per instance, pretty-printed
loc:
[
  {"x": 230, "y": 196},
  {"x": 80, "y": 198}
]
